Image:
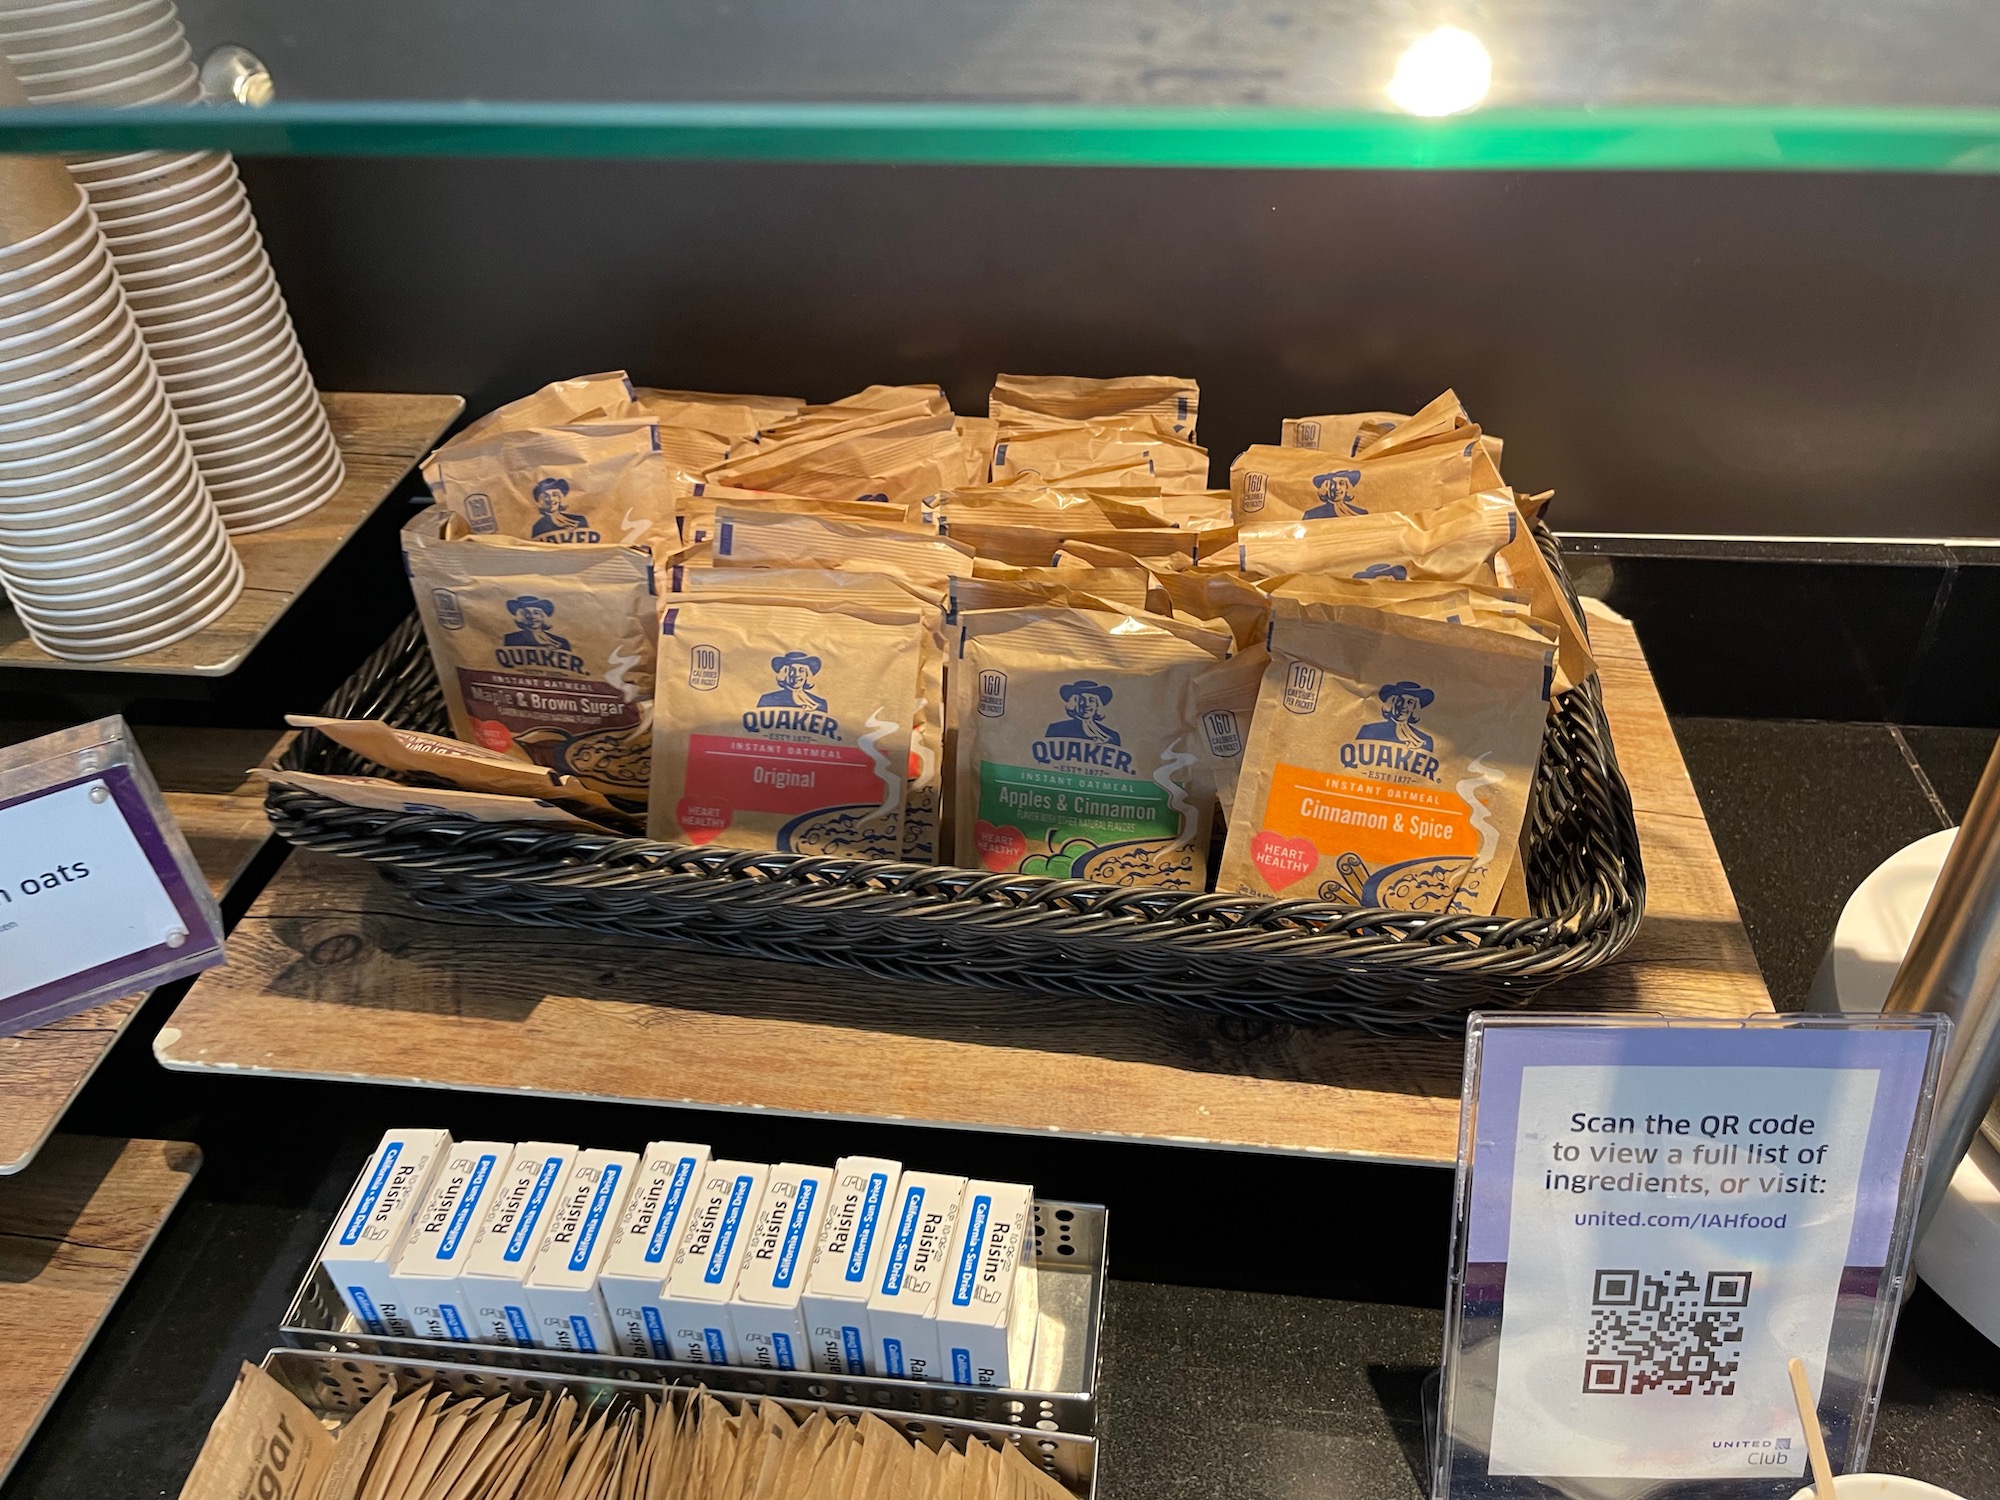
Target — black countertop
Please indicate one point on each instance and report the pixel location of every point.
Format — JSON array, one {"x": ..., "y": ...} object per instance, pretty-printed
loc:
[{"x": 1225, "y": 1373}]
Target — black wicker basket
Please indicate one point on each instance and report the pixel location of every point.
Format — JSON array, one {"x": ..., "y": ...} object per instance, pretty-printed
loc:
[{"x": 1308, "y": 962}]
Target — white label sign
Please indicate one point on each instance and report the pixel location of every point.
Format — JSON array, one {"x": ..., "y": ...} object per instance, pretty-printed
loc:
[
  {"x": 1684, "y": 1229},
  {"x": 76, "y": 890}
]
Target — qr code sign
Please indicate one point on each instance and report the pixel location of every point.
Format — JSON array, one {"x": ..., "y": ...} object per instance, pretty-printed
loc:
[{"x": 1679, "y": 1331}]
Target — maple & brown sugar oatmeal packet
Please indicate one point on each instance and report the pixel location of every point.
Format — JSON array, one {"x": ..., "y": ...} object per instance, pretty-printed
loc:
[
  {"x": 1074, "y": 753},
  {"x": 1389, "y": 762},
  {"x": 544, "y": 653},
  {"x": 785, "y": 728}
]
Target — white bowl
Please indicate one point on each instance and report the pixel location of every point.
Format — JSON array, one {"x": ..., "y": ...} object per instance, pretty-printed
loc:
[{"x": 1878, "y": 1487}]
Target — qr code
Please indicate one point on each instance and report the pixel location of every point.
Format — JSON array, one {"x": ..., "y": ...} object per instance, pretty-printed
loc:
[{"x": 1678, "y": 1331}]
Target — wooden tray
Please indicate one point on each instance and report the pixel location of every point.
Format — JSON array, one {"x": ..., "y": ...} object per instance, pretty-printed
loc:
[
  {"x": 73, "y": 1229},
  {"x": 332, "y": 973},
  {"x": 381, "y": 439}
]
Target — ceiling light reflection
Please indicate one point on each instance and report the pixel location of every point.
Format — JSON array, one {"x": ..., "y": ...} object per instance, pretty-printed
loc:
[{"x": 1443, "y": 73}]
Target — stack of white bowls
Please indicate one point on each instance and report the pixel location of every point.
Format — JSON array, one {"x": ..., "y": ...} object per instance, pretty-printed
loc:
[
  {"x": 186, "y": 246},
  {"x": 109, "y": 545}
]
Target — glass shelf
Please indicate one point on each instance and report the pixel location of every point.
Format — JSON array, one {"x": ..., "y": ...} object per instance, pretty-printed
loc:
[
  {"x": 1837, "y": 85},
  {"x": 1771, "y": 139}
]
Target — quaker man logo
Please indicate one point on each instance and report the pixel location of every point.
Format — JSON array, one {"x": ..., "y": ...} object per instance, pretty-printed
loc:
[
  {"x": 1082, "y": 737},
  {"x": 532, "y": 643},
  {"x": 792, "y": 705},
  {"x": 1336, "y": 494},
  {"x": 557, "y": 522},
  {"x": 1395, "y": 744}
]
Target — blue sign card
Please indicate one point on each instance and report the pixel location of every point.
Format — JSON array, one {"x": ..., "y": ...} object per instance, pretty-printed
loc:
[
  {"x": 100, "y": 895},
  {"x": 1653, "y": 1217}
]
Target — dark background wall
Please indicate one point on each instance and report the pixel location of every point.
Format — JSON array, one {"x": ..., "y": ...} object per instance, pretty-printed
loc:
[{"x": 1740, "y": 354}]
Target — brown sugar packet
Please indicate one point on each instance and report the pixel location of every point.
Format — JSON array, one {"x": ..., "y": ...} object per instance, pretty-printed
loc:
[
  {"x": 1074, "y": 754},
  {"x": 785, "y": 728},
  {"x": 1390, "y": 760},
  {"x": 263, "y": 1431},
  {"x": 774, "y": 539},
  {"x": 355, "y": 1446},
  {"x": 554, "y": 404},
  {"x": 1271, "y": 485},
  {"x": 1164, "y": 403},
  {"x": 545, "y": 653},
  {"x": 823, "y": 588},
  {"x": 1057, "y": 453},
  {"x": 1028, "y": 1482},
  {"x": 396, "y": 1432},
  {"x": 466, "y": 767},
  {"x": 1453, "y": 543},
  {"x": 491, "y": 1456}
]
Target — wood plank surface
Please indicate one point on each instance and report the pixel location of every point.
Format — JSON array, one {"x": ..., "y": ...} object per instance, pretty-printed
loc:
[
  {"x": 334, "y": 974},
  {"x": 221, "y": 810},
  {"x": 73, "y": 1229},
  {"x": 381, "y": 437}
]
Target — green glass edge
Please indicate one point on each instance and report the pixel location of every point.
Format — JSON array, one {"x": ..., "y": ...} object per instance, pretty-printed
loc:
[{"x": 1740, "y": 139}]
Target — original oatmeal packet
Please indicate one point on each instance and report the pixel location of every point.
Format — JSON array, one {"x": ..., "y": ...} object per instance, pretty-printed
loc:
[
  {"x": 1389, "y": 761},
  {"x": 544, "y": 653},
  {"x": 1075, "y": 748},
  {"x": 785, "y": 728}
]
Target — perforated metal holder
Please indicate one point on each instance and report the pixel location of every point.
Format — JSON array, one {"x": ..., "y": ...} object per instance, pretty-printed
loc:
[
  {"x": 335, "y": 1386},
  {"x": 1062, "y": 1398}
]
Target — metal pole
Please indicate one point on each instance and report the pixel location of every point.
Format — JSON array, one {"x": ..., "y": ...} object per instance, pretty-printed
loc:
[{"x": 1954, "y": 966}]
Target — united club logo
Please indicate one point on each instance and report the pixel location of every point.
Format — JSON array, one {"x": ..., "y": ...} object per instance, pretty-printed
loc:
[
  {"x": 1083, "y": 736},
  {"x": 533, "y": 642},
  {"x": 792, "y": 706},
  {"x": 1394, "y": 742},
  {"x": 556, "y": 520}
]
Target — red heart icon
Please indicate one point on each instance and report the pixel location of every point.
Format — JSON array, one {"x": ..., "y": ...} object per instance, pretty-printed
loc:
[
  {"x": 701, "y": 821},
  {"x": 1000, "y": 849},
  {"x": 1284, "y": 861}
]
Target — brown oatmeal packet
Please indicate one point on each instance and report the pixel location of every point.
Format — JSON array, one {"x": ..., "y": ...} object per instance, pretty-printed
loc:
[
  {"x": 1056, "y": 454},
  {"x": 1123, "y": 589},
  {"x": 1163, "y": 403},
  {"x": 1037, "y": 505},
  {"x": 977, "y": 436},
  {"x": 898, "y": 463},
  {"x": 603, "y": 482},
  {"x": 383, "y": 795},
  {"x": 466, "y": 767},
  {"x": 785, "y": 728},
  {"x": 1036, "y": 546},
  {"x": 1123, "y": 583},
  {"x": 696, "y": 501},
  {"x": 1243, "y": 608},
  {"x": 544, "y": 653},
  {"x": 821, "y": 588},
  {"x": 732, "y": 417},
  {"x": 1531, "y": 574},
  {"x": 1389, "y": 762},
  {"x": 1452, "y": 543},
  {"x": 1225, "y": 704},
  {"x": 607, "y": 394},
  {"x": 757, "y": 539},
  {"x": 1074, "y": 749},
  {"x": 1273, "y": 485},
  {"x": 1341, "y": 433}
]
